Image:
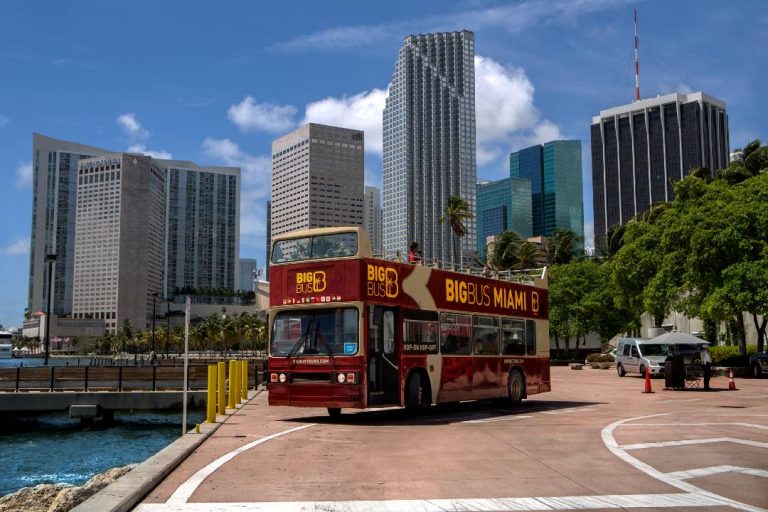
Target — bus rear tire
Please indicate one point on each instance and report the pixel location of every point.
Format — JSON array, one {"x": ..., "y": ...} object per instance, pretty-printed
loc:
[
  {"x": 334, "y": 412},
  {"x": 516, "y": 387},
  {"x": 414, "y": 392}
]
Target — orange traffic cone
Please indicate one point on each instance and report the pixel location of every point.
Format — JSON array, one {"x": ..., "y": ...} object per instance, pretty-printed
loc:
[
  {"x": 647, "y": 381},
  {"x": 731, "y": 383}
]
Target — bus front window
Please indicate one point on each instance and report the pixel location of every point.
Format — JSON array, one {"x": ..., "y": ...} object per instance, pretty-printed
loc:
[{"x": 315, "y": 332}]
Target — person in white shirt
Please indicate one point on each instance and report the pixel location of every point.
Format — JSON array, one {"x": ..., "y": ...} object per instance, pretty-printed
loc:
[{"x": 706, "y": 363}]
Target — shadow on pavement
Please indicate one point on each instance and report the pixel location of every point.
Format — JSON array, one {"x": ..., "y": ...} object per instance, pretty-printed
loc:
[{"x": 443, "y": 414}]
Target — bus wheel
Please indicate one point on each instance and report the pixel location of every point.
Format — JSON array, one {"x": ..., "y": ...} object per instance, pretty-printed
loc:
[
  {"x": 516, "y": 387},
  {"x": 334, "y": 412},
  {"x": 413, "y": 392}
]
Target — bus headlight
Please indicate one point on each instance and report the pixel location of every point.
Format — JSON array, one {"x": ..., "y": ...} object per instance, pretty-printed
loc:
[
  {"x": 341, "y": 378},
  {"x": 283, "y": 378}
]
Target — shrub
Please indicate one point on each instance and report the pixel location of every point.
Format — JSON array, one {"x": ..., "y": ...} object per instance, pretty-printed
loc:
[
  {"x": 594, "y": 357},
  {"x": 604, "y": 358},
  {"x": 724, "y": 355}
]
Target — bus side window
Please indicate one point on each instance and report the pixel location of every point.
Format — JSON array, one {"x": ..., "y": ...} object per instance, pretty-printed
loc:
[
  {"x": 530, "y": 337},
  {"x": 513, "y": 337}
]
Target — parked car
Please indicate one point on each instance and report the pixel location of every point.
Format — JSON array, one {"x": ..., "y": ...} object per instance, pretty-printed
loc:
[
  {"x": 635, "y": 355},
  {"x": 758, "y": 363}
]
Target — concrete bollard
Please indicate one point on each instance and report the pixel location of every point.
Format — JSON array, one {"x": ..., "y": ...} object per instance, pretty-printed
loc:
[
  {"x": 244, "y": 379},
  {"x": 210, "y": 405},
  {"x": 221, "y": 373}
]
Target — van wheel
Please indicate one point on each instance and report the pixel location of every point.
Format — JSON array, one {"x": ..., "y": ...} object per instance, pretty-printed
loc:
[
  {"x": 334, "y": 412},
  {"x": 413, "y": 392},
  {"x": 756, "y": 371},
  {"x": 620, "y": 370},
  {"x": 515, "y": 387},
  {"x": 642, "y": 371}
]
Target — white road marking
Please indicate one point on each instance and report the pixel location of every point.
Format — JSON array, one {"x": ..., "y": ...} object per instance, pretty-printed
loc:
[
  {"x": 688, "y": 400},
  {"x": 610, "y": 442},
  {"x": 185, "y": 490},
  {"x": 750, "y": 425},
  {"x": 453, "y": 505},
  {"x": 568, "y": 411},
  {"x": 700, "y": 472},
  {"x": 684, "y": 442}
]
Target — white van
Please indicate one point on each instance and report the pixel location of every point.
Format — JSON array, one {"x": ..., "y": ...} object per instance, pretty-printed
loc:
[{"x": 635, "y": 355}]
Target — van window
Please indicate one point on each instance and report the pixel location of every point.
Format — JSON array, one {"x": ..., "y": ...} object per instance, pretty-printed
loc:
[
  {"x": 626, "y": 350},
  {"x": 635, "y": 353}
]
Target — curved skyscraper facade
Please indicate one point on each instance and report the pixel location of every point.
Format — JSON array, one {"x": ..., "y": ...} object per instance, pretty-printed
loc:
[{"x": 429, "y": 144}]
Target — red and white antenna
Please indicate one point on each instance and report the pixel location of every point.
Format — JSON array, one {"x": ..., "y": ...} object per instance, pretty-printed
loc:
[{"x": 637, "y": 64}]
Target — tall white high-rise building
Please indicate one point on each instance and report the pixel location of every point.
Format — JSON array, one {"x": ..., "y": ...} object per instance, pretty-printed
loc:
[
  {"x": 317, "y": 178},
  {"x": 119, "y": 237},
  {"x": 429, "y": 143},
  {"x": 372, "y": 221}
]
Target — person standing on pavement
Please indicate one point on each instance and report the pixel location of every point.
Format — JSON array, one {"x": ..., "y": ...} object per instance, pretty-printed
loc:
[{"x": 706, "y": 364}]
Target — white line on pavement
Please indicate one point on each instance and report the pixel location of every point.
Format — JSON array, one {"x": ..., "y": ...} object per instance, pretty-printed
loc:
[
  {"x": 750, "y": 425},
  {"x": 713, "y": 470},
  {"x": 453, "y": 505},
  {"x": 683, "y": 442},
  {"x": 500, "y": 418},
  {"x": 185, "y": 490}
]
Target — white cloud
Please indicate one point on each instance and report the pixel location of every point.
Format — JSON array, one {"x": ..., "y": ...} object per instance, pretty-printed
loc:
[
  {"x": 132, "y": 127},
  {"x": 270, "y": 117},
  {"x": 681, "y": 87},
  {"x": 362, "y": 111},
  {"x": 20, "y": 246},
  {"x": 505, "y": 111},
  {"x": 141, "y": 148},
  {"x": 255, "y": 185},
  {"x": 24, "y": 175},
  {"x": 4, "y": 120}
]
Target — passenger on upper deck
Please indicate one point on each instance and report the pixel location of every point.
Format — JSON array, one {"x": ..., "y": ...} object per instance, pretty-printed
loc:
[{"x": 414, "y": 255}]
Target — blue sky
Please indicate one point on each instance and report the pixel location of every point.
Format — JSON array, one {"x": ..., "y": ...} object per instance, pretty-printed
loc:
[{"x": 216, "y": 82}]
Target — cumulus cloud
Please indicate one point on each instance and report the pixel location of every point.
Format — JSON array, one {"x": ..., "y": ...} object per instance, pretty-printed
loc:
[
  {"x": 132, "y": 127},
  {"x": 20, "y": 246},
  {"x": 361, "y": 111},
  {"x": 505, "y": 111},
  {"x": 3, "y": 120},
  {"x": 255, "y": 180},
  {"x": 269, "y": 117},
  {"x": 24, "y": 175},
  {"x": 141, "y": 148}
]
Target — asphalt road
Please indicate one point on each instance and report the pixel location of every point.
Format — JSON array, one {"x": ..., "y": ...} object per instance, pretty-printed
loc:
[{"x": 595, "y": 442}]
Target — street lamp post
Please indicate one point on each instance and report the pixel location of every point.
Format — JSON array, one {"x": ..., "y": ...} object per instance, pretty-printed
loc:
[
  {"x": 167, "y": 325},
  {"x": 51, "y": 259},
  {"x": 153, "y": 359}
]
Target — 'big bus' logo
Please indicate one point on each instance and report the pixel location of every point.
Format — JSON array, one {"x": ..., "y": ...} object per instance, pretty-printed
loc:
[
  {"x": 310, "y": 282},
  {"x": 382, "y": 282}
]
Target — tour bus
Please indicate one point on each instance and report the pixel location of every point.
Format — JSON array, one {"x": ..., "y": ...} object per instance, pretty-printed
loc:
[{"x": 348, "y": 330}]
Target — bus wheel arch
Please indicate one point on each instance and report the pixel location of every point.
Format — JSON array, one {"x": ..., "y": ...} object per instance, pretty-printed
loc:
[
  {"x": 417, "y": 392},
  {"x": 516, "y": 385}
]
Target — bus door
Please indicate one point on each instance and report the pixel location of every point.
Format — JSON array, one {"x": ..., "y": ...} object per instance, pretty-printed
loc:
[{"x": 383, "y": 369}]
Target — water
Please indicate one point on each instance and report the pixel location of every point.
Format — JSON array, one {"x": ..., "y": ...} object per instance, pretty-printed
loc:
[
  {"x": 51, "y": 448},
  {"x": 64, "y": 361}
]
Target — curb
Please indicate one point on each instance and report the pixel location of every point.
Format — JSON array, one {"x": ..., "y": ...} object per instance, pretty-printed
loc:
[{"x": 124, "y": 493}]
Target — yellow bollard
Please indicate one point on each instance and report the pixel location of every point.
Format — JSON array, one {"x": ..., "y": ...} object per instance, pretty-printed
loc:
[
  {"x": 244, "y": 379},
  {"x": 230, "y": 391},
  {"x": 221, "y": 373},
  {"x": 236, "y": 387},
  {"x": 210, "y": 405}
]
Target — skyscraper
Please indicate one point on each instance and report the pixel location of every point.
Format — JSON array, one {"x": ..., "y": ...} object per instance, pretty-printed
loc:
[
  {"x": 429, "y": 143},
  {"x": 54, "y": 201},
  {"x": 119, "y": 234},
  {"x": 372, "y": 222},
  {"x": 317, "y": 178},
  {"x": 269, "y": 240},
  {"x": 639, "y": 148},
  {"x": 248, "y": 269},
  {"x": 202, "y": 226},
  {"x": 503, "y": 205},
  {"x": 202, "y": 206}
]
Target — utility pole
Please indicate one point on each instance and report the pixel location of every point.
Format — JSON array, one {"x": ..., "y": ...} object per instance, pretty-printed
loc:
[{"x": 51, "y": 259}]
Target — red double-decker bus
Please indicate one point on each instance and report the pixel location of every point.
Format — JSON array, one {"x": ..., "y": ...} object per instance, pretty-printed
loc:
[{"x": 348, "y": 330}]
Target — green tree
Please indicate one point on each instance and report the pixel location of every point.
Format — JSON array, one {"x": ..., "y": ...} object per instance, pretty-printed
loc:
[
  {"x": 456, "y": 213},
  {"x": 561, "y": 246}
]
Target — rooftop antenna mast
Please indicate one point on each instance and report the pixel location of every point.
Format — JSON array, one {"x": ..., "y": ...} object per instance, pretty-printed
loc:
[{"x": 637, "y": 64}]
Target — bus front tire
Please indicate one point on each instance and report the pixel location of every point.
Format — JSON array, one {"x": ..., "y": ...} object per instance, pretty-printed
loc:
[
  {"x": 414, "y": 393},
  {"x": 334, "y": 412},
  {"x": 516, "y": 387}
]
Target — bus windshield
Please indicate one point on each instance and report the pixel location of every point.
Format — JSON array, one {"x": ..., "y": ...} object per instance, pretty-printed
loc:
[
  {"x": 315, "y": 247},
  {"x": 315, "y": 332}
]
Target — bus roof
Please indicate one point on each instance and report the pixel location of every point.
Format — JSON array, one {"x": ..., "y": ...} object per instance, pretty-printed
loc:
[{"x": 363, "y": 242}]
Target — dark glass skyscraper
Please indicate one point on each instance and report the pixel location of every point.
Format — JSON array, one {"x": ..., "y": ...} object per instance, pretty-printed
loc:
[
  {"x": 429, "y": 143},
  {"x": 640, "y": 148}
]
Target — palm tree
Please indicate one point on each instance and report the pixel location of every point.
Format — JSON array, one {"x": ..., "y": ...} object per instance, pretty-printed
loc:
[
  {"x": 560, "y": 247},
  {"x": 510, "y": 252},
  {"x": 456, "y": 212}
]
